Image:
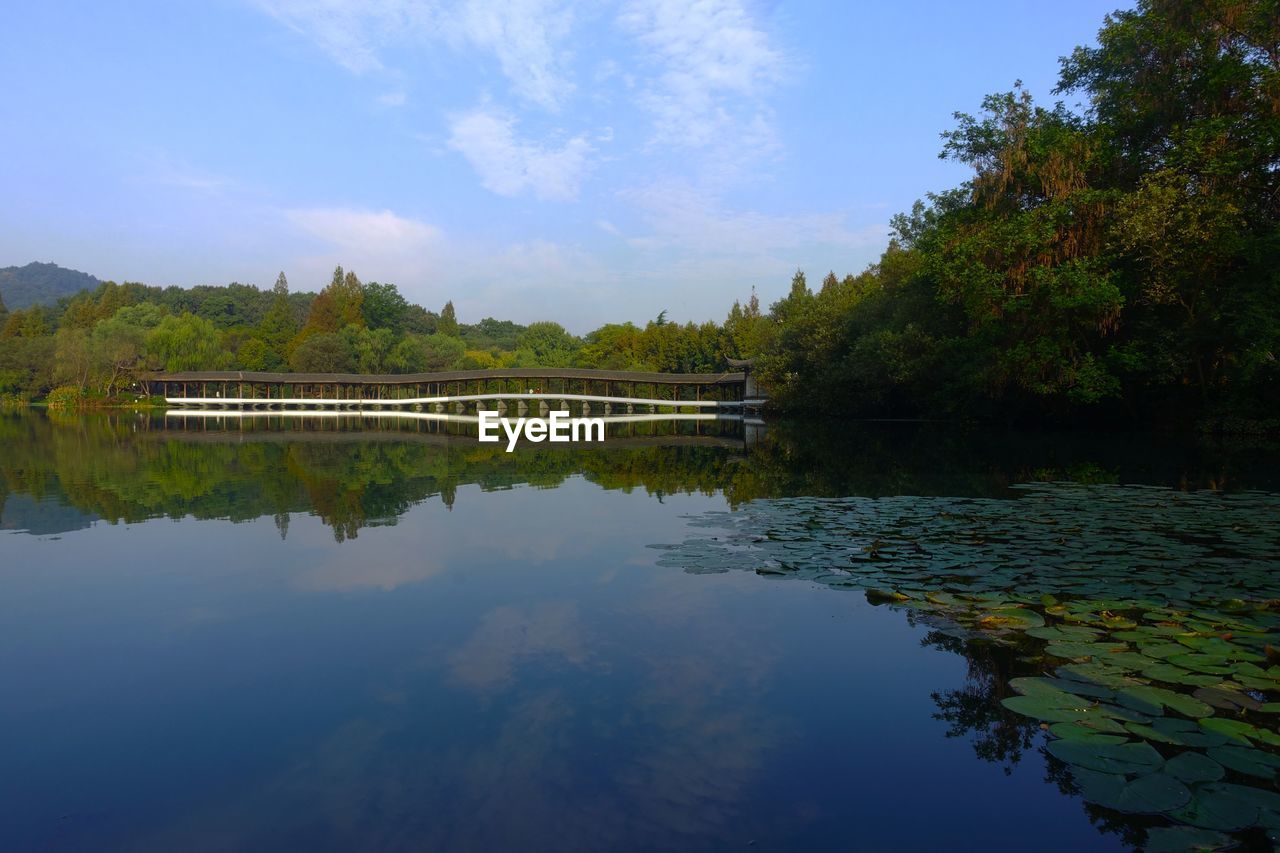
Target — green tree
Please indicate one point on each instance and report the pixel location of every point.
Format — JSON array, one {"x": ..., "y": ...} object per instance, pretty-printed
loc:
[
  {"x": 257, "y": 354},
  {"x": 336, "y": 306},
  {"x": 324, "y": 352},
  {"x": 546, "y": 344},
  {"x": 118, "y": 345},
  {"x": 27, "y": 323},
  {"x": 426, "y": 353},
  {"x": 384, "y": 308},
  {"x": 448, "y": 322},
  {"x": 278, "y": 326},
  {"x": 370, "y": 348},
  {"x": 186, "y": 342},
  {"x": 73, "y": 357}
]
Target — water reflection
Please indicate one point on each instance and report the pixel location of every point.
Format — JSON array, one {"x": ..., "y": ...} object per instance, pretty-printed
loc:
[
  {"x": 61, "y": 473},
  {"x": 372, "y": 635}
]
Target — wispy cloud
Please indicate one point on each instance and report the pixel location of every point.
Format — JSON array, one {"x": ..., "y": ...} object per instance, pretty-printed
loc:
[
  {"x": 682, "y": 217},
  {"x": 509, "y": 166},
  {"x": 377, "y": 244},
  {"x": 349, "y": 31},
  {"x": 367, "y": 230},
  {"x": 526, "y": 37},
  {"x": 716, "y": 64}
]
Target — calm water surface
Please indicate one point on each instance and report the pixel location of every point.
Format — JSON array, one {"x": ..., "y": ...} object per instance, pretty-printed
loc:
[{"x": 265, "y": 636}]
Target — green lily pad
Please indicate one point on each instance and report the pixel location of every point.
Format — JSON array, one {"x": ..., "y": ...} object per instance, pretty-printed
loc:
[
  {"x": 1064, "y": 633},
  {"x": 1072, "y": 651},
  {"x": 1051, "y": 709},
  {"x": 1246, "y": 760},
  {"x": 1125, "y": 758},
  {"x": 1227, "y": 807},
  {"x": 1101, "y": 729},
  {"x": 1042, "y": 685},
  {"x": 1177, "y": 675},
  {"x": 1209, "y": 664},
  {"x": 1098, "y": 787},
  {"x": 1096, "y": 673},
  {"x": 1158, "y": 697},
  {"x": 1161, "y": 651},
  {"x": 1235, "y": 730},
  {"x": 1194, "y": 767},
  {"x": 1179, "y": 839},
  {"x": 1014, "y": 617},
  {"x": 1177, "y": 731},
  {"x": 1154, "y": 793},
  {"x": 1223, "y": 812}
]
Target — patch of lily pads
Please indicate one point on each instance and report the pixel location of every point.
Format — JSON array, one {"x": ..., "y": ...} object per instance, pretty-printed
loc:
[{"x": 1152, "y": 617}]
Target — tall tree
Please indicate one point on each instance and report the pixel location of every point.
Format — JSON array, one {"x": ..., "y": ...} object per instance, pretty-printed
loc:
[
  {"x": 335, "y": 307},
  {"x": 448, "y": 323},
  {"x": 277, "y": 329}
]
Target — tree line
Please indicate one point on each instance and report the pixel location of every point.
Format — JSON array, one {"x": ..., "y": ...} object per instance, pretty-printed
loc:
[
  {"x": 1115, "y": 259},
  {"x": 98, "y": 341}
]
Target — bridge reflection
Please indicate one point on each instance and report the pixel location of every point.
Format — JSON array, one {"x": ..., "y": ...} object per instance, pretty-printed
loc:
[{"x": 718, "y": 427}]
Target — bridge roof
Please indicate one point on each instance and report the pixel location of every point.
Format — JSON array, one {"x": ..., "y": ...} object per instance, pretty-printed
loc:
[{"x": 450, "y": 376}]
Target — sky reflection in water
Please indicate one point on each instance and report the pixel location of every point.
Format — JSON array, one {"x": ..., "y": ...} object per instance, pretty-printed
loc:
[{"x": 402, "y": 645}]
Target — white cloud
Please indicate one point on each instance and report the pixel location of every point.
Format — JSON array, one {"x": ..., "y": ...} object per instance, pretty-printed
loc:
[
  {"x": 378, "y": 245},
  {"x": 716, "y": 66},
  {"x": 525, "y": 36},
  {"x": 683, "y": 217},
  {"x": 508, "y": 166},
  {"x": 375, "y": 231},
  {"x": 392, "y": 99},
  {"x": 349, "y": 31}
]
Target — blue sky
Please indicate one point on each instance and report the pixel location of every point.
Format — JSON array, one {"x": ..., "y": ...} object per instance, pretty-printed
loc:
[{"x": 531, "y": 159}]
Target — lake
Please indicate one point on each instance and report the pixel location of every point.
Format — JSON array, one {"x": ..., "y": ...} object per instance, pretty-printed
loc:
[{"x": 339, "y": 634}]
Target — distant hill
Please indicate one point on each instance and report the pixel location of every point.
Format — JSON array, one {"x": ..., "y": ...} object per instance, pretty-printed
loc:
[{"x": 42, "y": 284}]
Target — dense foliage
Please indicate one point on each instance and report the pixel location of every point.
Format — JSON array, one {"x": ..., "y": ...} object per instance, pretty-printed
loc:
[{"x": 1119, "y": 258}]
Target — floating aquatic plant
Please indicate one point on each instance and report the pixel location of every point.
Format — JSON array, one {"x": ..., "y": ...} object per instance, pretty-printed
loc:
[{"x": 1152, "y": 616}]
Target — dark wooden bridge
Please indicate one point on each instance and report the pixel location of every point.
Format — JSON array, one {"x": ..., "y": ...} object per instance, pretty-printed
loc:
[{"x": 457, "y": 388}]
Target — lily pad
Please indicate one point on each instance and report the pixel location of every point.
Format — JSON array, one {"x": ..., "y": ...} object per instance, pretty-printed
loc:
[
  {"x": 1177, "y": 731},
  {"x": 1053, "y": 709},
  {"x": 1101, "y": 729},
  {"x": 1154, "y": 793},
  {"x": 1235, "y": 730},
  {"x": 1246, "y": 760},
  {"x": 1126, "y": 758},
  {"x": 1178, "y": 839},
  {"x": 1012, "y": 618},
  {"x": 1227, "y": 700},
  {"x": 1158, "y": 697},
  {"x": 1193, "y": 767}
]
